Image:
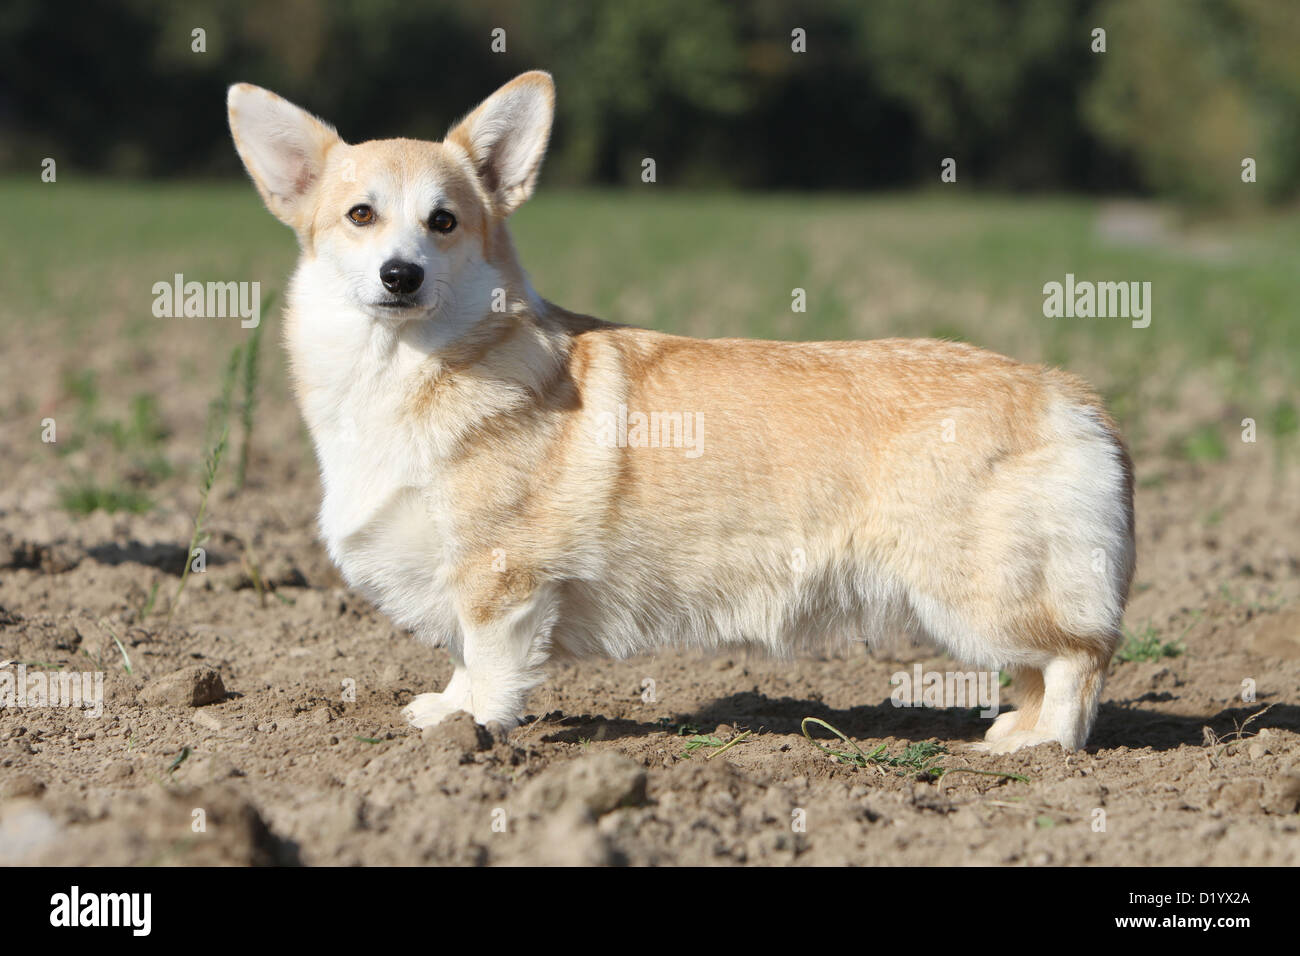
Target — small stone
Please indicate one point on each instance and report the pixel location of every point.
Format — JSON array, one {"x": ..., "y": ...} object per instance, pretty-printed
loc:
[
  {"x": 459, "y": 734},
  {"x": 66, "y": 636},
  {"x": 1164, "y": 677},
  {"x": 191, "y": 686}
]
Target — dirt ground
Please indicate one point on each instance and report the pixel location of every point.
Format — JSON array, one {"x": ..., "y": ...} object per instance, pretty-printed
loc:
[{"x": 302, "y": 756}]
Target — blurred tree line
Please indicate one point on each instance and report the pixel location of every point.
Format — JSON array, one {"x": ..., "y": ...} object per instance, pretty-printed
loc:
[{"x": 711, "y": 88}]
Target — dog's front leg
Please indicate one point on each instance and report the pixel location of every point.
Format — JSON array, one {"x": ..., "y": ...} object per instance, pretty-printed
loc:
[
  {"x": 425, "y": 710},
  {"x": 505, "y": 651}
]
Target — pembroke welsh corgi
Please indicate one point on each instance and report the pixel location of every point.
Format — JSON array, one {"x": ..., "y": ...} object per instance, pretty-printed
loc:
[{"x": 516, "y": 482}]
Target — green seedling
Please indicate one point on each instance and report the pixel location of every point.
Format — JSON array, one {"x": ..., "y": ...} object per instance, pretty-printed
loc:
[
  {"x": 700, "y": 741},
  {"x": 126, "y": 658},
  {"x": 180, "y": 759},
  {"x": 1146, "y": 645},
  {"x": 212, "y": 463},
  {"x": 920, "y": 759},
  {"x": 248, "y": 407}
]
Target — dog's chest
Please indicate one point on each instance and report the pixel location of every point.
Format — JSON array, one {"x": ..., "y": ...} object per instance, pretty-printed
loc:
[
  {"x": 401, "y": 560},
  {"x": 389, "y": 535},
  {"x": 382, "y": 513}
]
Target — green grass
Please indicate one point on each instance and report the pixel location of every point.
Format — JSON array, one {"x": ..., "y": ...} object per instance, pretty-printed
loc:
[
  {"x": 126, "y": 658},
  {"x": 248, "y": 406},
  {"x": 128, "y": 452},
  {"x": 1146, "y": 644},
  {"x": 1284, "y": 422},
  {"x": 937, "y": 263},
  {"x": 85, "y": 496},
  {"x": 218, "y": 433},
  {"x": 1204, "y": 444},
  {"x": 699, "y": 742},
  {"x": 922, "y": 759},
  {"x": 180, "y": 759}
]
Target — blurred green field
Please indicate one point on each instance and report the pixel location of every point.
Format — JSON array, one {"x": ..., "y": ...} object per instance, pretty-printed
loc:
[{"x": 79, "y": 260}]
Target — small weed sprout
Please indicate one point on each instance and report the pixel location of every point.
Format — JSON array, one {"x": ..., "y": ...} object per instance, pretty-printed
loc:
[
  {"x": 219, "y": 419},
  {"x": 1146, "y": 645},
  {"x": 248, "y": 407},
  {"x": 920, "y": 759}
]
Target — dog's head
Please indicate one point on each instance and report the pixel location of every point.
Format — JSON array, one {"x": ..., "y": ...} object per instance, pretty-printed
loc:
[{"x": 401, "y": 229}]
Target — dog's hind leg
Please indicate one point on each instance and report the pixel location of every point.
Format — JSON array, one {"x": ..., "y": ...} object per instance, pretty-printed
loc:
[
  {"x": 1072, "y": 692},
  {"x": 1071, "y": 686},
  {"x": 1028, "y": 682}
]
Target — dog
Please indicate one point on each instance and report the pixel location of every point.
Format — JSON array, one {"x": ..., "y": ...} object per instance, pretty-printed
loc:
[{"x": 516, "y": 482}]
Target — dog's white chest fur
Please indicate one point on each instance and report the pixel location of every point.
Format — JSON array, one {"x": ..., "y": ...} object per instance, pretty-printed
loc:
[{"x": 382, "y": 516}]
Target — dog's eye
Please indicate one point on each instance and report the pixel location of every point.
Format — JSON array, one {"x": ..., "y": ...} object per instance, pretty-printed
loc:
[
  {"x": 442, "y": 221},
  {"x": 362, "y": 215}
]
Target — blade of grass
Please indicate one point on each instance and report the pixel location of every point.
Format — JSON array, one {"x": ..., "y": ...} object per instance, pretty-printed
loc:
[
  {"x": 248, "y": 407},
  {"x": 212, "y": 463},
  {"x": 728, "y": 745},
  {"x": 126, "y": 658}
]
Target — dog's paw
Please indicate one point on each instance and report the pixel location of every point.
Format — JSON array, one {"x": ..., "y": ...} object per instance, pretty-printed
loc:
[
  {"x": 1002, "y": 727},
  {"x": 426, "y": 710}
]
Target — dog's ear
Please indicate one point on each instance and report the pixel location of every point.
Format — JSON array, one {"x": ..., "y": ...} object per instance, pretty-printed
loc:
[
  {"x": 506, "y": 138},
  {"x": 283, "y": 149}
]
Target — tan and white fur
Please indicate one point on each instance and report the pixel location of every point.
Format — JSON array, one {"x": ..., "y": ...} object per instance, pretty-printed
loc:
[{"x": 842, "y": 489}]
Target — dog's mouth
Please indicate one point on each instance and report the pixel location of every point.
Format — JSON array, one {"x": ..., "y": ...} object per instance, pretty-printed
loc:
[
  {"x": 401, "y": 308},
  {"x": 399, "y": 303},
  {"x": 405, "y": 306}
]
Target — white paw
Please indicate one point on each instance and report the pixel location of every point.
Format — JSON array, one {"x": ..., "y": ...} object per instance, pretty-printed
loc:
[
  {"x": 425, "y": 710},
  {"x": 1015, "y": 741},
  {"x": 1003, "y": 725}
]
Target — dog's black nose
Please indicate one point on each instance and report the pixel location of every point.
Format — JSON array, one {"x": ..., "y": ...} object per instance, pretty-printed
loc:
[{"x": 401, "y": 278}]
